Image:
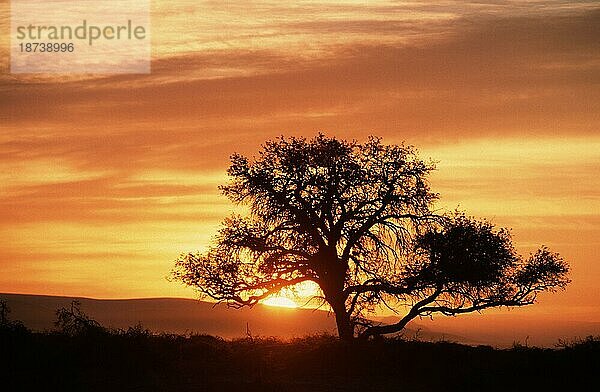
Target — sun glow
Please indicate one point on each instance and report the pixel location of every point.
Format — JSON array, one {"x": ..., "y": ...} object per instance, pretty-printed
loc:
[{"x": 282, "y": 302}]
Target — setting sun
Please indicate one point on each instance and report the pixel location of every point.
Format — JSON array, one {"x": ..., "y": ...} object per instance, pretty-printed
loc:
[{"x": 281, "y": 302}]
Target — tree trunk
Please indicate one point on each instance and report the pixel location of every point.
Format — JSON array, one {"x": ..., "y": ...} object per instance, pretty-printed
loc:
[
  {"x": 332, "y": 283},
  {"x": 342, "y": 320}
]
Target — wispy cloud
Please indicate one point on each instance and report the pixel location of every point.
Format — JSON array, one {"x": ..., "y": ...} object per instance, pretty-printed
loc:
[{"x": 113, "y": 174}]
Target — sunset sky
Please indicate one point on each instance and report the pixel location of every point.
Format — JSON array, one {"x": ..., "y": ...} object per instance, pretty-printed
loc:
[{"x": 105, "y": 179}]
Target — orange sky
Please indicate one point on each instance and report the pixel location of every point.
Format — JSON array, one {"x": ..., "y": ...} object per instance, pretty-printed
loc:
[{"x": 105, "y": 180}]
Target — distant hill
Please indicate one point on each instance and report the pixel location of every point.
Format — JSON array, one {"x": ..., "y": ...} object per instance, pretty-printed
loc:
[
  {"x": 175, "y": 315},
  {"x": 178, "y": 315}
]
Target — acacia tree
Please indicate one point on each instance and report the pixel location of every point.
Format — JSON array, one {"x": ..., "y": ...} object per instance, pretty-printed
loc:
[{"x": 358, "y": 220}]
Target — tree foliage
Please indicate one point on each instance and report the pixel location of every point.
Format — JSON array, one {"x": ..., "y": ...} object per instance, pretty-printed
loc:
[{"x": 359, "y": 221}]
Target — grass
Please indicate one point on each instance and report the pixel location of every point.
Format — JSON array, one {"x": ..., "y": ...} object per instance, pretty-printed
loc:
[
  {"x": 82, "y": 355},
  {"x": 97, "y": 359}
]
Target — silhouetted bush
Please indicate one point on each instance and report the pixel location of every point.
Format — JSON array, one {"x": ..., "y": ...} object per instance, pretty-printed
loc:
[
  {"x": 591, "y": 343},
  {"x": 6, "y": 324},
  {"x": 136, "y": 359},
  {"x": 73, "y": 321}
]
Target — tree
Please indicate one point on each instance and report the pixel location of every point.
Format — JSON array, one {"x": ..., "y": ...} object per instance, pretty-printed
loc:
[
  {"x": 73, "y": 321},
  {"x": 358, "y": 220},
  {"x": 8, "y": 325},
  {"x": 4, "y": 311}
]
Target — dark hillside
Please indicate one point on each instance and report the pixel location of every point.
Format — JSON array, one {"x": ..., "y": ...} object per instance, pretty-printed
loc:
[{"x": 139, "y": 361}]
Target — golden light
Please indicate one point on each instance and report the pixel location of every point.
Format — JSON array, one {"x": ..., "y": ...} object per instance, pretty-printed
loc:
[{"x": 282, "y": 302}]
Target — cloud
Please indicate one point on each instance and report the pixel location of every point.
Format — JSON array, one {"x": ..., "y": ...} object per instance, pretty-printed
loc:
[
  {"x": 484, "y": 77},
  {"x": 487, "y": 74},
  {"x": 139, "y": 157}
]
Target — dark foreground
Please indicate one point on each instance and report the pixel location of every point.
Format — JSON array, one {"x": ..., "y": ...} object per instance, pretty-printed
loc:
[{"x": 136, "y": 360}]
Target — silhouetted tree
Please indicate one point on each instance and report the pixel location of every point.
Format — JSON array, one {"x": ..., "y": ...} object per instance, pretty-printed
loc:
[
  {"x": 73, "y": 321},
  {"x": 4, "y": 311},
  {"x": 8, "y": 325},
  {"x": 358, "y": 220}
]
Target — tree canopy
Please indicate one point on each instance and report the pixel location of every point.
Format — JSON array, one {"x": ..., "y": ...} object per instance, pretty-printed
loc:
[{"x": 358, "y": 219}]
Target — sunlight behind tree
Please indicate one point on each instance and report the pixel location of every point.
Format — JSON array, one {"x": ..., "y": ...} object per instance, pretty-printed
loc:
[
  {"x": 281, "y": 302},
  {"x": 360, "y": 221}
]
